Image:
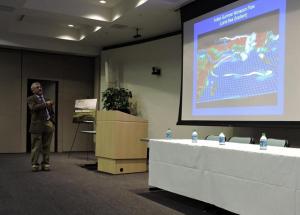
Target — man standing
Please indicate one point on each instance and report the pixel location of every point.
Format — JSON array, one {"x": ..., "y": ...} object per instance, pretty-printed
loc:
[{"x": 41, "y": 127}]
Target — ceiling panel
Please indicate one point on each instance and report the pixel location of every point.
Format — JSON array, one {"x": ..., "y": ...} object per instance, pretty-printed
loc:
[{"x": 48, "y": 19}]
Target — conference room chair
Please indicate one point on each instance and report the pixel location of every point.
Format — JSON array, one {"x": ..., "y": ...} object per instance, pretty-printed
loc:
[
  {"x": 278, "y": 142},
  {"x": 249, "y": 140},
  {"x": 212, "y": 137}
]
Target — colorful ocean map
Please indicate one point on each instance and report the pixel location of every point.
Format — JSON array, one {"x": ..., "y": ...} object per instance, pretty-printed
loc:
[{"x": 231, "y": 67}]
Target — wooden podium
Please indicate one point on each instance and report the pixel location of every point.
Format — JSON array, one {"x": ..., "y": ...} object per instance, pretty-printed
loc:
[{"x": 118, "y": 146}]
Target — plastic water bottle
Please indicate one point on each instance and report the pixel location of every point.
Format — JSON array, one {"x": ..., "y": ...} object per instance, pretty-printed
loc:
[
  {"x": 194, "y": 136},
  {"x": 221, "y": 138},
  {"x": 263, "y": 142},
  {"x": 169, "y": 134}
]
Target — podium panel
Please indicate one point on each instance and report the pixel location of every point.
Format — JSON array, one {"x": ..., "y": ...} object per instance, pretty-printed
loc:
[
  {"x": 118, "y": 146},
  {"x": 119, "y": 166}
]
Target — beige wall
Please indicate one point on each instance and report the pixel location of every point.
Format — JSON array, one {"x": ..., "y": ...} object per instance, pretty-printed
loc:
[
  {"x": 10, "y": 94},
  {"x": 157, "y": 97},
  {"x": 75, "y": 76}
]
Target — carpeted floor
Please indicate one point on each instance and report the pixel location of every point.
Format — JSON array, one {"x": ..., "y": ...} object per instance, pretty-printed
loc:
[{"x": 70, "y": 189}]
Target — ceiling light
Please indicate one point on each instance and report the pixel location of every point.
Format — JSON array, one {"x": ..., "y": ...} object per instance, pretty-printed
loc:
[
  {"x": 82, "y": 37},
  {"x": 67, "y": 37},
  {"x": 71, "y": 26},
  {"x": 140, "y": 2},
  {"x": 96, "y": 17},
  {"x": 117, "y": 16},
  {"x": 102, "y": 2},
  {"x": 97, "y": 28}
]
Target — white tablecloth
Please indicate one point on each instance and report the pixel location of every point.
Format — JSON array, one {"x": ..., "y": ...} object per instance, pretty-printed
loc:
[{"x": 238, "y": 177}]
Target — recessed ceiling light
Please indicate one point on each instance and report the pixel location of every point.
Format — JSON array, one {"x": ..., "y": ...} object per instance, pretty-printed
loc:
[
  {"x": 102, "y": 2},
  {"x": 140, "y": 2},
  {"x": 117, "y": 16},
  {"x": 71, "y": 26},
  {"x": 96, "y": 17},
  {"x": 97, "y": 28},
  {"x": 82, "y": 37},
  {"x": 66, "y": 37}
]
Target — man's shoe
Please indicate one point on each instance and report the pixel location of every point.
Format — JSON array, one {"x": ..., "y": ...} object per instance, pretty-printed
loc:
[
  {"x": 45, "y": 167},
  {"x": 35, "y": 168}
]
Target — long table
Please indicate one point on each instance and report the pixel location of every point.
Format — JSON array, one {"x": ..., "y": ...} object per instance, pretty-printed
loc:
[{"x": 237, "y": 177}]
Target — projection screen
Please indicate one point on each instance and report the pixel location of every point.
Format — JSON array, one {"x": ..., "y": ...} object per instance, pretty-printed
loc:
[{"x": 240, "y": 63}]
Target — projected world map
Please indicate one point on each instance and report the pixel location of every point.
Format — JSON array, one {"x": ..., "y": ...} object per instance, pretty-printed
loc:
[{"x": 231, "y": 67}]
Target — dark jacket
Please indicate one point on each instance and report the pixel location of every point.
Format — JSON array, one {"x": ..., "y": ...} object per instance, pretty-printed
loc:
[{"x": 39, "y": 114}]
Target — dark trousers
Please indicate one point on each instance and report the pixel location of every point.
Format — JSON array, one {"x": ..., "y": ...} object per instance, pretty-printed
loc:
[{"x": 40, "y": 144}]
